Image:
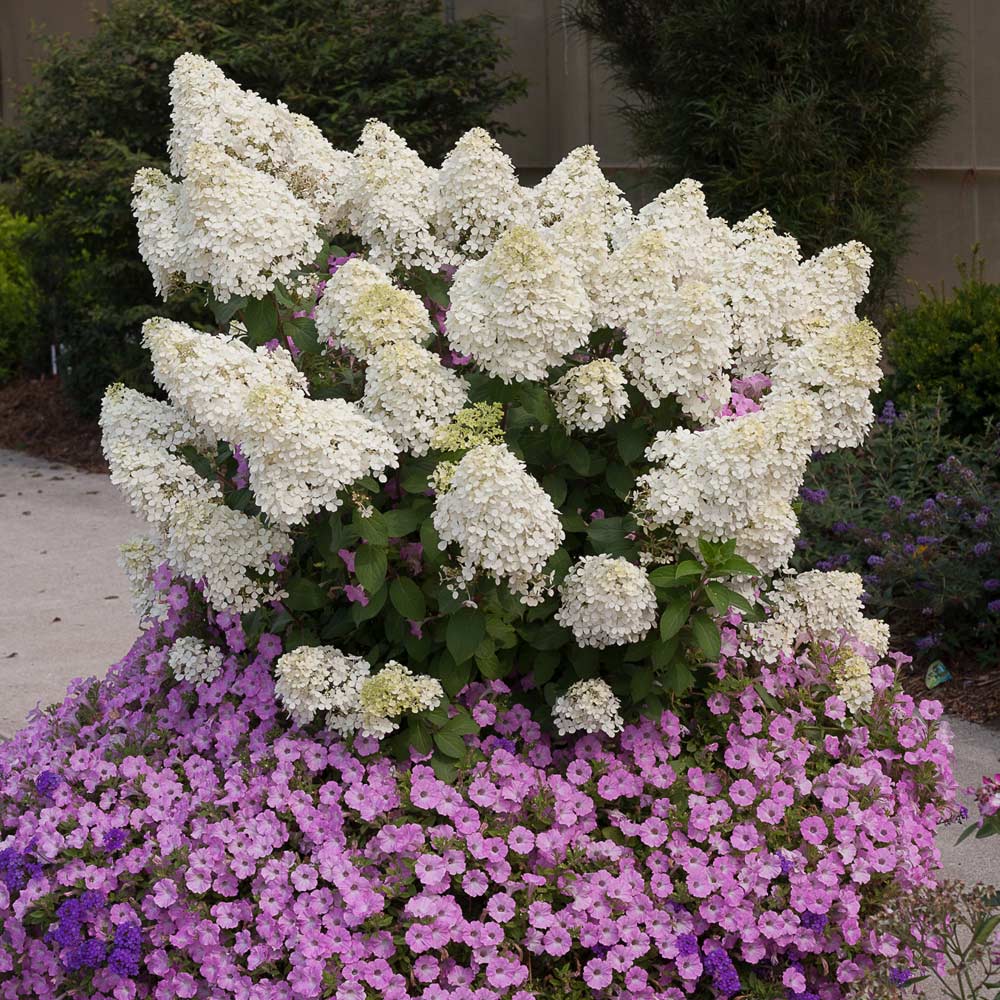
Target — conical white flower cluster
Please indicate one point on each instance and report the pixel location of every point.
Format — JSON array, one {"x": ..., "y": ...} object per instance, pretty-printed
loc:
[
  {"x": 824, "y": 606},
  {"x": 392, "y": 692},
  {"x": 501, "y": 519},
  {"x": 390, "y": 194},
  {"x": 606, "y": 601},
  {"x": 410, "y": 394},
  {"x": 313, "y": 679},
  {"x": 590, "y": 396},
  {"x": 521, "y": 309},
  {"x": 210, "y": 109},
  {"x": 735, "y": 480},
  {"x": 478, "y": 195},
  {"x": 588, "y": 706},
  {"x": 230, "y": 552},
  {"x": 362, "y": 310},
  {"x": 191, "y": 660},
  {"x": 301, "y": 452}
]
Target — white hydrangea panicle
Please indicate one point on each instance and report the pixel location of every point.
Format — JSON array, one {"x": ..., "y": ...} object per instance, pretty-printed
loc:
[
  {"x": 478, "y": 195},
  {"x": 317, "y": 173},
  {"x": 207, "y": 108},
  {"x": 391, "y": 205},
  {"x": 589, "y": 397},
  {"x": 410, "y": 394},
  {"x": 576, "y": 187},
  {"x": 606, "y": 601},
  {"x": 139, "y": 437},
  {"x": 838, "y": 369},
  {"x": 636, "y": 277},
  {"x": 589, "y": 706},
  {"x": 733, "y": 480},
  {"x": 313, "y": 679},
  {"x": 581, "y": 240},
  {"x": 679, "y": 342},
  {"x": 202, "y": 538},
  {"x": 520, "y": 309},
  {"x": 702, "y": 246},
  {"x": 392, "y": 692},
  {"x": 835, "y": 282},
  {"x": 852, "y": 675},
  {"x": 303, "y": 452},
  {"x": 361, "y": 310},
  {"x": 502, "y": 520},
  {"x": 139, "y": 557},
  {"x": 210, "y": 376},
  {"x": 766, "y": 292},
  {"x": 243, "y": 230},
  {"x": 815, "y": 606},
  {"x": 191, "y": 660},
  {"x": 231, "y": 553},
  {"x": 154, "y": 205}
]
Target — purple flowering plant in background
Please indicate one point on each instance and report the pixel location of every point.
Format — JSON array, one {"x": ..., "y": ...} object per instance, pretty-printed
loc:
[{"x": 917, "y": 513}]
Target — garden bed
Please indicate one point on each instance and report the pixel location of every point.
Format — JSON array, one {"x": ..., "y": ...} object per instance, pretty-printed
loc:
[{"x": 36, "y": 418}]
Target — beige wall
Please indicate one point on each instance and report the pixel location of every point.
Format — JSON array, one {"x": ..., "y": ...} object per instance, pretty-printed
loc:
[
  {"x": 570, "y": 102},
  {"x": 959, "y": 174},
  {"x": 19, "y": 22}
]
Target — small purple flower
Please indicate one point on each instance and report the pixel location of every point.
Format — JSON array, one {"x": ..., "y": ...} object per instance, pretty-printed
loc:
[
  {"x": 899, "y": 976},
  {"x": 888, "y": 415},
  {"x": 47, "y": 782},
  {"x": 687, "y": 944},
  {"x": 875, "y": 561},
  {"x": 993, "y": 607},
  {"x": 816, "y": 497},
  {"x": 348, "y": 558},
  {"x": 894, "y": 502},
  {"x": 356, "y": 595},
  {"x": 114, "y": 840},
  {"x": 126, "y": 950},
  {"x": 87, "y": 955},
  {"x": 981, "y": 549},
  {"x": 269, "y": 646},
  {"x": 991, "y": 584}
]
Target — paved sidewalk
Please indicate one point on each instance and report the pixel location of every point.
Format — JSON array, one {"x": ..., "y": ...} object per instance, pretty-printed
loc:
[
  {"x": 65, "y": 612},
  {"x": 64, "y": 602}
]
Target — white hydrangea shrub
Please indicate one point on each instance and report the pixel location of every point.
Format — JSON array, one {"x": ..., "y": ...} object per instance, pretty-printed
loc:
[{"x": 470, "y": 429}]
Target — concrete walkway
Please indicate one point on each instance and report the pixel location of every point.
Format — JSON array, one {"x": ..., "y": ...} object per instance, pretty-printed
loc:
[
  {"x": 64, "y": 602},
  {"x": 65, "y": 612}
]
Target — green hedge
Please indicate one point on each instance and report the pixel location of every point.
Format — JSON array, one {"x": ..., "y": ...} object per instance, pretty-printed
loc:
[
  {"x": 949, "y": 346},
  {"x": 99, "y": 110},
  {"x": 22, "y": 343},
  {"x": 814, "y": 109}
]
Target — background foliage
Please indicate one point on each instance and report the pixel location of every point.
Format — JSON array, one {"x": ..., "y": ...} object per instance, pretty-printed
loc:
[
  {"x": 950, "y": 346},
  {"x": 100, "y": 107},
  {"x": 19, "y": 340},
  {"x": 813, "y": 109},
  {"x": 914, "y": 510}
]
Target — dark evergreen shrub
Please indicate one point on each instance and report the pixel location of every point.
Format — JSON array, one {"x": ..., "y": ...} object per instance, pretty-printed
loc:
[
  {"x": 99, "y": 110},
  {"x": 814, "y": 109}
]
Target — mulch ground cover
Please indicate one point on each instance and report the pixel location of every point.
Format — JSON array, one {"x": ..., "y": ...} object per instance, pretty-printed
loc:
[
  {"x": 36, "y": 418},
  {"x": 973, "y": 693}
]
